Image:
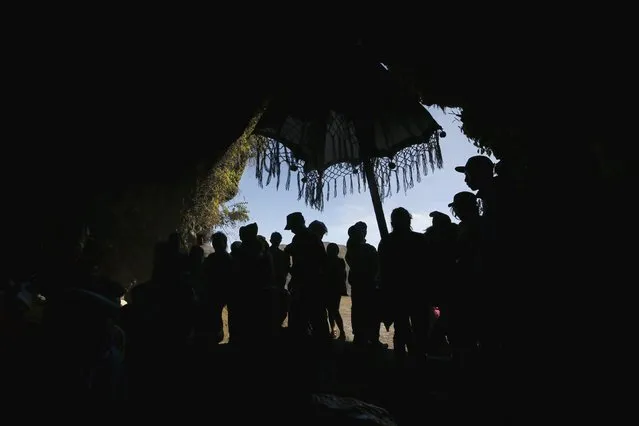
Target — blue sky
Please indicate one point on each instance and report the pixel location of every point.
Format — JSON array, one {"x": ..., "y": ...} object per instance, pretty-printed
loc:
[{"x": 269, "y": 207}]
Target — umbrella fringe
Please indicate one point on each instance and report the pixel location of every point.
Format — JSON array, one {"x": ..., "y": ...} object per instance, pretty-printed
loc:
[
  {"x": 258, "y": 173},
  {"x": 365, "y": 184},
  {"x": 412, "y": 162}
]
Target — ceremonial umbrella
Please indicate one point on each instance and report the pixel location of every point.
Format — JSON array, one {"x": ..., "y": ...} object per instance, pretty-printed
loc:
[{"x": 356, "y": 127}]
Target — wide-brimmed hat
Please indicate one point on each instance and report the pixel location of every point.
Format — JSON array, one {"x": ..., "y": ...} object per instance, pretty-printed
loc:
[{"x": 294, "y": 219}]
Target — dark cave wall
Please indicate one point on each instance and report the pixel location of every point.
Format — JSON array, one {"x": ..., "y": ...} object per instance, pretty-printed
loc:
[{"x": 112, "y": 133}]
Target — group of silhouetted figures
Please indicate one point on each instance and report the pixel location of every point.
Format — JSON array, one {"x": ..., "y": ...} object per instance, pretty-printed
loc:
[{"x": 270, "y": 293}]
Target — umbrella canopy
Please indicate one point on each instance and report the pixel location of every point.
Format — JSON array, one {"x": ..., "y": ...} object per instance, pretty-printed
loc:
[{"x": 328, "y": 132}]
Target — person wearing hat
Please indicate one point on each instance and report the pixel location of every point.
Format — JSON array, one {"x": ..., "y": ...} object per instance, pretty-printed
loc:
[
  {"x": 309, "y": 258},
  {"x": 465, "y": 206},
  {"x": 464, "y": 306},
  {"x": 480, "y": 176},
  {"x": 479, "y": 171}
]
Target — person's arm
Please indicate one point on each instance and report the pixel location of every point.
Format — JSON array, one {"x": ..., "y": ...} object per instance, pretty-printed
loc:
[{"x": 287, "y": 263}]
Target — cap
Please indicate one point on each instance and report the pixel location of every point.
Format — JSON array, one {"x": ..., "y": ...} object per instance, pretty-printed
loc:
[
  {"x": 477, "y": 162},
  {"x": 463, "y": 197}
]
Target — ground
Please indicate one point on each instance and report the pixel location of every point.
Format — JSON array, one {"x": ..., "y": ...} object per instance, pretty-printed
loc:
[{"x": 345, "y": 310}]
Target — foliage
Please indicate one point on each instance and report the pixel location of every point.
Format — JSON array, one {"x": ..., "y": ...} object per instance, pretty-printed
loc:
[
  {"x": 483, "y": 144},
  {"x": 233, "y": 214},
  {"x": 219, "y": 185}
]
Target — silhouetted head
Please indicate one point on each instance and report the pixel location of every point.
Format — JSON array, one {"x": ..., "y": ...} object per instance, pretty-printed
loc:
[
  {"x": 295, "y": 222},
  {"x": 248, "y": 232},
  {"x": 276, "y": 239},
  {"x": 362, "y": 227},
  {"x": 401, "y": 219},
  {"x": 440, "y": 219},
  {"x": 332, "y": 250},
  {"x": 356, "y": 235},
  {"x": 465, "y": 205},
  {"x": 235, "y": 246},
  {"x": 479, "y": 171},
  {"x": 318, "y": 228},
  {"x": 219, "y": 242}
]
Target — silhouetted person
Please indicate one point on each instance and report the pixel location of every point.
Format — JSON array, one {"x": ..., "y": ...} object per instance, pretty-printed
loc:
[
  {"x": 478, "y": 172},
  {"x": 281, "y": 267},
  {"x": 318, "y": 228},
  {"x": 309, "y": 257},
  {"x": 173, "y": 292},
  {"x": 83, "y": 360},
  {"x": 405, "y": 284},
  {"x": 500, "y": 235},
  {"x": 335, "y": 288},
  {"x": 363, "y": 276},
  {"x": 253, "y": 269},
  {"x": 197, "y": 255},
  {"x": 479, "y": 176},
  {"x": 235, "y": 247},
  {"x": 466, "y": 297},
  {"x": 441, "y": 240},
  {"x": 218, "y": 279}
]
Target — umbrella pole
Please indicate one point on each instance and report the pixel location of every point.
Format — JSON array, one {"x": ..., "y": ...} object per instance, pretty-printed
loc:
[{"x": 377, "y": 201}]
